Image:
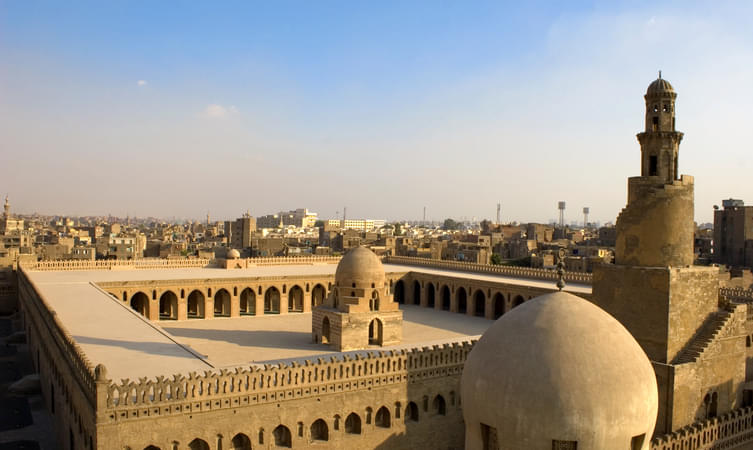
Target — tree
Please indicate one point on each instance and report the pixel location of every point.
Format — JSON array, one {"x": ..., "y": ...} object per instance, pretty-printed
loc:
[
  {"x": 450, "y": 224},
  {"x": 319, "y": 223},
  {"x": 495, "y": 259}
]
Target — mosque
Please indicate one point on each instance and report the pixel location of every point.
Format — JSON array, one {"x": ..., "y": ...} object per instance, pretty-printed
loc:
[{"x": 399, "y": 354}]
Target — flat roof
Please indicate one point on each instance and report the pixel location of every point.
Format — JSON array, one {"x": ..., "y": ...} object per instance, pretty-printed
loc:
[
  {"x": 274, "y": 338},
  {"x": 130, "y": 346}
]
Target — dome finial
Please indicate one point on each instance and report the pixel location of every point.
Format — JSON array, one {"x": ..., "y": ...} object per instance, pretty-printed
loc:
[
  {"x": 561, "y": 269},
  {"x": 660, "y": 74}
]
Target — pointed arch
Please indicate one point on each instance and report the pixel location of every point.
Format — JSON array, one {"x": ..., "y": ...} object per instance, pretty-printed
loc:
[{"x": 195, "y": 305}]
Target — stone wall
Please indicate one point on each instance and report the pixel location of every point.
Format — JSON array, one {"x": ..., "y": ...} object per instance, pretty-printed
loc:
[
  {"x": 217, "y": 406},
  {"x": 66, "y": 375}
]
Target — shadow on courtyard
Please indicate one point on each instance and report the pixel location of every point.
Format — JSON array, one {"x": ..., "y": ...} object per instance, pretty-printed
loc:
[
  {"x": 296, "y": 340},
  {"x": 151, "y": 348}
]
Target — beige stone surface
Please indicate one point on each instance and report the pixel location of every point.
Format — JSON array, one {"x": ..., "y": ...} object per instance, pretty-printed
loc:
[{"x": 229, "y": 342}]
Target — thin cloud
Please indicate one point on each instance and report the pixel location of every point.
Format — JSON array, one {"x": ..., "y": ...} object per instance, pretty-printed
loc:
[
  {"x": 141, "y": 83},
  {"x": 216, "y": 111}
]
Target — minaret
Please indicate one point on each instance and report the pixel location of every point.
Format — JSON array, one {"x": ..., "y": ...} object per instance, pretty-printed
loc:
[
  {"x": 6, "y": 208},
  {"x": 669, "y": 305},
  {"x": 656, "y": 227}
]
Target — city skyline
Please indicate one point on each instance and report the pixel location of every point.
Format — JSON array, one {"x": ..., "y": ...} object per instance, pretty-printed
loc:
[{"x": 172, "y": 110}]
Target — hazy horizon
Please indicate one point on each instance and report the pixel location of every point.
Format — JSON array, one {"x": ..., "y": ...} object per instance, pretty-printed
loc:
[{"x": 176, "y": 109}]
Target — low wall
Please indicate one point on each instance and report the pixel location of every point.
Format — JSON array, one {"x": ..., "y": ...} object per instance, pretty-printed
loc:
[
  {"x": 512, "y": 271},
  {"x": 729, "y": 431}
]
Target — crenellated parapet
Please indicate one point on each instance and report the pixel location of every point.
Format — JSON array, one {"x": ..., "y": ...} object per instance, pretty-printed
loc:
[
  {"x": 510, "y": 271},
  {"x": 270, "y": 383},
  {"x": 728, "y": 431}
]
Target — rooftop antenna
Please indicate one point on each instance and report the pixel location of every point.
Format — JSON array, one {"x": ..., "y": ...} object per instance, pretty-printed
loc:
[{"x": 586, "y": 210}]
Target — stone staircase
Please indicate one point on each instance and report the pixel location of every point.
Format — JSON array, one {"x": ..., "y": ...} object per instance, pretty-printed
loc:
[{"x": 703, "y": 338}]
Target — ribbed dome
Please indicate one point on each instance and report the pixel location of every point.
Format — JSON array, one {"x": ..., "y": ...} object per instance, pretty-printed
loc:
[
  {"x": 559, "y": 368},
  {"x": 361, "y": 266},
  {"x": 659, "y": 86}
]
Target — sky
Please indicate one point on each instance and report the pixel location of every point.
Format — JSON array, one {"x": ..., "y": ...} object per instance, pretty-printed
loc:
[{"x": 179, "y": 108}]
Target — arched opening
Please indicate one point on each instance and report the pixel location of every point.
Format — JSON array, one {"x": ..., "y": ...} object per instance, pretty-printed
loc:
[
  {"x": 195, "y": 305},
  {"x": 240, "y": 442},
  {"x": 325, "y": 331},
  {"x": 248, "y": 302},
  {"x": 318, "y": 294},
  {"x": 462, "y": 299},
  {"x": 446, "y": 298},
  {"x": 714, "y": 405},
  {"x": 282, "y": 436},
  {"x": 353, "y": 424},
  {"x": 198, "y": 444},
  {"x": 168, "y": 306},
  {"x": 518, "y": 301},
  {"x": 295, "y": 299},
  {"x": 152, "y": 447},
  {"x": 382, "y": 418},
  {"x": 499, "y": 305},
  {"x": 222, "y": 303},
  {"x": 400, "y": 291},
  {"x": 416, "y": 293},
  {"x": 439, "y": 405},
  {"x": 411, "y": 412},
  {"x": 430, "y": 294},
  {"x": 319, "y": 430},
  {"x": 140, "y": 304},
  {"x": 374, "y": 301},
  {"x": 375, "y": 332},
  {"x": 479, "y": 304},
  {"x": 272, "y": 301}
]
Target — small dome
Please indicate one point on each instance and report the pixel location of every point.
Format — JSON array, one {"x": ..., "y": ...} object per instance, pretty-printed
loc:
[
  {"x": 232, "y": 254},
  {"x": 361, "y": 266},
  {"x": 659, "y": 86},
  {"x": 559, "y": 368}
]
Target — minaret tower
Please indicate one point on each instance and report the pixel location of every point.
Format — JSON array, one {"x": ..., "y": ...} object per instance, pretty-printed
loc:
[
  {"x": 6, "y": 209},
  {"x": 656, "y": 227},
  {"x": 669, "y": 305}
]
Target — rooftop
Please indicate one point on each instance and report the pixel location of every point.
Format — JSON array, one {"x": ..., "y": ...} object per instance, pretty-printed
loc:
[{"x": 130, "y": 346}]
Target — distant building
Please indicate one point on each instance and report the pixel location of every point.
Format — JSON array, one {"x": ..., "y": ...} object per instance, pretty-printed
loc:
[
  {"x": 733, "y": 234},
  {"x": 239, "y": 232}
]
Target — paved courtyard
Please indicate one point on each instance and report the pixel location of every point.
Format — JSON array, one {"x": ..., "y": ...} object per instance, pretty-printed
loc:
[{"x": 230, "y": 342}]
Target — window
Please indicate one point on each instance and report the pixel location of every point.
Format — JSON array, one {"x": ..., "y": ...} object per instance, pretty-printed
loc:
[
  {"x": 637, "y": 442},
  {"x": 564, "y": 445},
  {"x": 489, "y": 437},
  {"x": 655, "y": 124},
  {"x": 652, "y": 169}
]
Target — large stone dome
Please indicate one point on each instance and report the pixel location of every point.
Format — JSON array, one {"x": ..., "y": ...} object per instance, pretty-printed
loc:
[
  {"x": 558, "y": 368},
  {"x": 660, "y": 86},
  {"x": 360, "y": 266},
  {"x": 232, "y": 254}
]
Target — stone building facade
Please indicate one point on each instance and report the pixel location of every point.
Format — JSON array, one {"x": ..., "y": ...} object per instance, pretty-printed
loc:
[{"x": 733, "y": 234}]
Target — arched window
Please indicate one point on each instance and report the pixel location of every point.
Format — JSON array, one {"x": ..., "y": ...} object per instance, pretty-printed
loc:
[
  {"x": 195, "y": 305},
  {"x": 272, "y": 301},
  {"x": 319, "y": 430},
  {"x": 375, "y": 332},
  {"x": 240, "y": 442},
  {"x": 282, "y": 436},
  {"x": 439, "y": 405},
  {"x": 411, "y": 412},
  {"x": 353, "y": 424},
  {"x": 247, "y": 302},
  {"x": 168, "y": 306},
  {"x": 382, "y": 417},
  {"x": 222, "y": 303},
  {"x": 198, "y": 444}
]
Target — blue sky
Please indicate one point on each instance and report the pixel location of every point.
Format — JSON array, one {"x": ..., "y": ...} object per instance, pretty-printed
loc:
[{"x": 178, "y": 108}]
